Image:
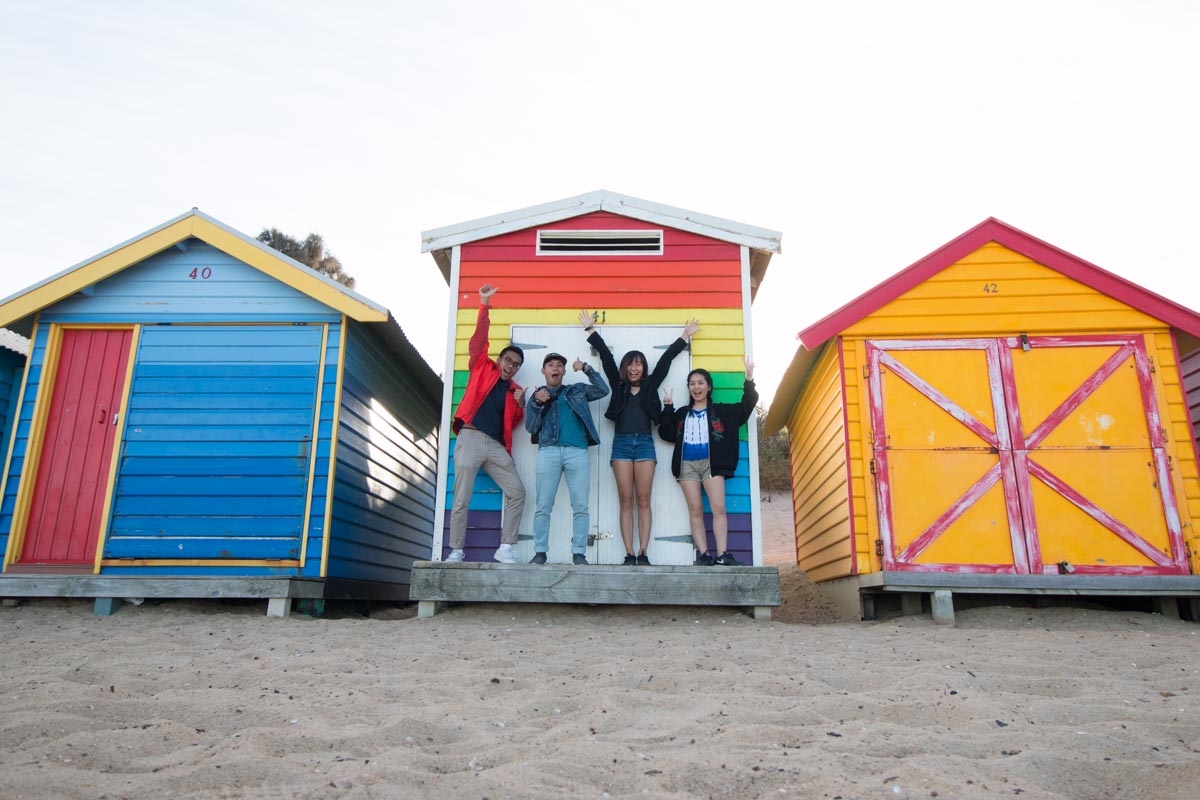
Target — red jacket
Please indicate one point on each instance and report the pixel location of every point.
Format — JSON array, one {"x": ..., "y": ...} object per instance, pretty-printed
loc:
[{"x": 484, "y": 372}]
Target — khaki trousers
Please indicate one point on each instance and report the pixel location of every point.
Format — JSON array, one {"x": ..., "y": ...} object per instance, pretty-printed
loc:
[{"x": 474, "y": 450}]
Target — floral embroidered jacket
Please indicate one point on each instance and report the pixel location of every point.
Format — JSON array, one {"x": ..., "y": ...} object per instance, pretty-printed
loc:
[{"x": 724, "y": 422}]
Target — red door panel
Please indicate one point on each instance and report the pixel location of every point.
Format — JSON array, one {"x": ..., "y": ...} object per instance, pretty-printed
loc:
[{"x": 72, "y": 476}]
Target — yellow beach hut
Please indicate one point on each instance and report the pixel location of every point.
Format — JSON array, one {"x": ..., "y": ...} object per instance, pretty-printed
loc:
[{"x": 1000, "y": 416}]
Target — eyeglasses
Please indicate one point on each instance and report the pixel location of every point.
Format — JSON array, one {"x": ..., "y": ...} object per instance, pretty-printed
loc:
[{"x": 510, "y": 361}]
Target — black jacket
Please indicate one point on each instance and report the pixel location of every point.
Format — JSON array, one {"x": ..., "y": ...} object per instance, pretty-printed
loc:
[
  {"x": 648, "y": 395},
  {"x": 724, "y": 422}
]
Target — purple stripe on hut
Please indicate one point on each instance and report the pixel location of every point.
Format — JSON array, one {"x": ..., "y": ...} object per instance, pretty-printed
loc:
[{"x": 483, "y": 536}]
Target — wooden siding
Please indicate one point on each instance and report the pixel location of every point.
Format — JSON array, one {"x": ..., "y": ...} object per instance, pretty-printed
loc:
[
  {"x": 820, "y": 491},
  {"x": 12, "y": 368},
  {"x": 22, "y": 426},
  {"x": 521, "y": 245},
  {"x": 386, "y": 477},
  {"x": 1189, "y": 367},
  {"x": 217, "y": 444},
  {"x": 995, "y": 291},
  {"x": 171, "y": 287},
  {"x": 718, "y": 347}
]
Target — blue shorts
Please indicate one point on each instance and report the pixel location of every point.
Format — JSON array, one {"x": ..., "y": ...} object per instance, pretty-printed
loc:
[{"x": 633, "y": 447}]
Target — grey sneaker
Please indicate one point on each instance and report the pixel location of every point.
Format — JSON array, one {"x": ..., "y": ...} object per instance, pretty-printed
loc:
[
  {"x": 456, "y": 556},
  {"x": 579, "y": 558},
  {"x": 504, "y": 554},
  {"x": 538, "y": 558}
]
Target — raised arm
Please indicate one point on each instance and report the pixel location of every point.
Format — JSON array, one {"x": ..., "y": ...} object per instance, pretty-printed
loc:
[
  {"x": 597, "y": 341},
  {"x": 666, "y": 420},
  {"x": 535, "y": 409},
  {"x": 477, "y": 348},
  {"x": 749, "y": 394},
  {"x": 597, "y": 388},
  {"x": 664, "y": 363}
]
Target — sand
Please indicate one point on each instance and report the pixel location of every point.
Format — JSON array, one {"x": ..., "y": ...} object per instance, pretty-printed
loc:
[{"x": 207, "y": 699}]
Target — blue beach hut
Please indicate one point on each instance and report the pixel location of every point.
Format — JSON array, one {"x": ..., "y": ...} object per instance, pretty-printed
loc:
[{"x": 201, "y": 416}]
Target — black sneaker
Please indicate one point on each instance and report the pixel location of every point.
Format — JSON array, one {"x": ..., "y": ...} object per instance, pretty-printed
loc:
[
  {"x": 579, "y": 558},
  {"x": 538, "y": 558},
  {"x": 630, "y": 560},
  {"x": 643, "y": 560},
  {"x": 704, "y": 560},
  {"x": 726, "y": 559}
]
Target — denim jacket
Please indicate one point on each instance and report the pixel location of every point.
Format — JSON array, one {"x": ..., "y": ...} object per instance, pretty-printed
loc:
[{"x": 542, "y": 420}]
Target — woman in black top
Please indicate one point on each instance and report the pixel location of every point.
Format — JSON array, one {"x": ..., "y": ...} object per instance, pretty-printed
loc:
[
  {"x": 634, "y": 408},
  {"x": 706, "y": 453}
]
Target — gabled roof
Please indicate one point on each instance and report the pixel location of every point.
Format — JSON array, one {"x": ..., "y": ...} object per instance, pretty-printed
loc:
[
  {"x": 439, "y": 240},
  {"x": 990, "y": 230},
  {"x": 993, "y": 230},
  {"x": 201, "y": 226},
  {"x": 22, "y": 305}
]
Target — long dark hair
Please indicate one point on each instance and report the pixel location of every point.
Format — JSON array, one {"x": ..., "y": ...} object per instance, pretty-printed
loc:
[
  {"x": 707, "y": 379},
  {"x": 629, "y": 358}
]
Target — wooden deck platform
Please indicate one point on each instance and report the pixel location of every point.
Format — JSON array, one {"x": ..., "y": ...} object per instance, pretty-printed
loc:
[
  {"x": 436, "y": 582},
  {"x": 859, "y": 593},
  {"x": 110, "y": 590}
]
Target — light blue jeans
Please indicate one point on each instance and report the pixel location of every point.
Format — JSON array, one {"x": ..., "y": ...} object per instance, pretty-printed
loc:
[{"x": 553, "y": 462}]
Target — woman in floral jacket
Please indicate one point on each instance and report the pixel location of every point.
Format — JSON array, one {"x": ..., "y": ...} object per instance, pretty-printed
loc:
[{"x": 706, "y": 453}]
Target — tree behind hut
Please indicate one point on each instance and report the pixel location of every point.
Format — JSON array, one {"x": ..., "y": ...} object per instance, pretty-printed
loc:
[
  {"x": 774, "y": 467},
  {"x": 310, "y": 252}
]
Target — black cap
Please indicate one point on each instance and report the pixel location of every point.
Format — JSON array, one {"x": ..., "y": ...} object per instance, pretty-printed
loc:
[{"x": 554, "y": 357}]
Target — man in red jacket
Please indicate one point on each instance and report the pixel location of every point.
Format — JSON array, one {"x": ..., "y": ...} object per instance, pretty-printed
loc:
[{"x": 484, "y": 420}]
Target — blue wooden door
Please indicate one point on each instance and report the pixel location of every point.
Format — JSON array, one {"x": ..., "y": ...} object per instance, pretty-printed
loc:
[{"x": 218, "y": 444}]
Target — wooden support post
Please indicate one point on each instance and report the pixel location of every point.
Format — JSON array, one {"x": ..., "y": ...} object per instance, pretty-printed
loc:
[
  {"x": 106, "y": 606},
  {"x": 762, "y": 613},
  {"x": 910, "y": 603},
  {"x": 279, "y": 607},
  {"x": 943, "y": 607},
  {"x": 867, "y": 601},
  {"x": 1194, "y": 607},
  {"x": 1167, "y": 606},
  {"x": 426, "y": 608}
]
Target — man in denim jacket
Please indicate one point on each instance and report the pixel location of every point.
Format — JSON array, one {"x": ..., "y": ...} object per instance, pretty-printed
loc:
[{"x": 561, "y": 425}]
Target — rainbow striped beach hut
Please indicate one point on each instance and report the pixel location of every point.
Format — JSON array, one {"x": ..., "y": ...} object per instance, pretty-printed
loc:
[{"x": 641, "y": 269}]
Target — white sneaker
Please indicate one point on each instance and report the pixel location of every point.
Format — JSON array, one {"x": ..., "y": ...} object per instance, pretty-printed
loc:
[
  {"x": 456, "y": 556},
  {"x": 504, "y": 554}
]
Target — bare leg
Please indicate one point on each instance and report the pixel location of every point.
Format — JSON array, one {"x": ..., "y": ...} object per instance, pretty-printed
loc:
[
  {"x": 714, "y": 487},
  {"x": 691, "y": 493},
  {"x": 643, "y": 474},
  {"x": 623, "y": 470}
]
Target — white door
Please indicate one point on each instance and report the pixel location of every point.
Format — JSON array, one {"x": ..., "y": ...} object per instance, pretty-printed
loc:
[
  {"x": 672, "y": 538},
  {"x": 672, "y": 542},
  {"x": 570, "y": 341}
]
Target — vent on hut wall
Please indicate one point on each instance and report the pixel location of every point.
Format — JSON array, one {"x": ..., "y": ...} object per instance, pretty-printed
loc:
[{"x": 600, "y": 243}]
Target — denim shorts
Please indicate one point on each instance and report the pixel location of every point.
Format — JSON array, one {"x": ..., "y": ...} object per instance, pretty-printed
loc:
[{"x": 633, "y": 447}]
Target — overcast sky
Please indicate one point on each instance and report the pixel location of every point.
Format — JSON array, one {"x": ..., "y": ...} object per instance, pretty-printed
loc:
[{"x": 869, "y": 133}]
